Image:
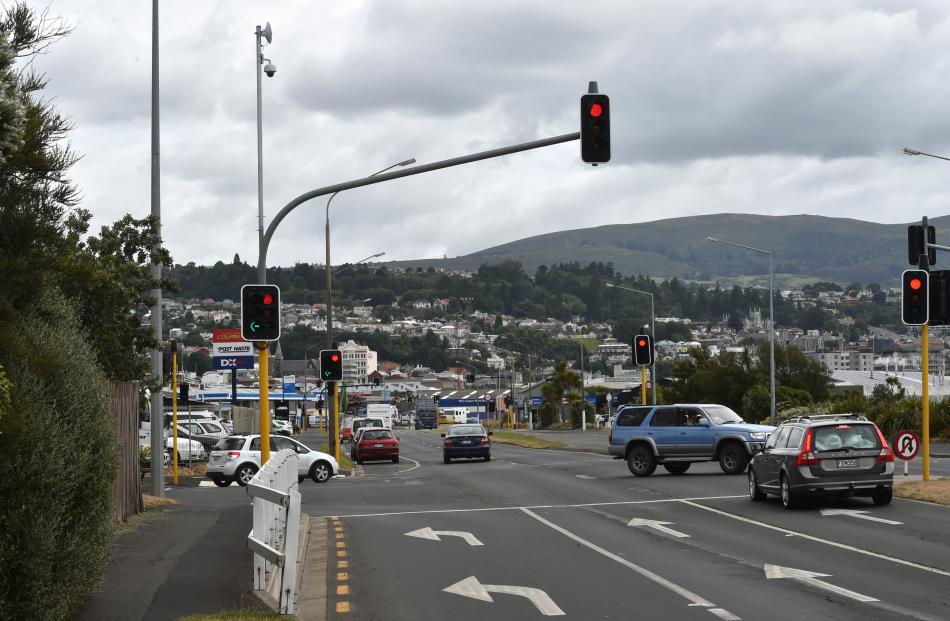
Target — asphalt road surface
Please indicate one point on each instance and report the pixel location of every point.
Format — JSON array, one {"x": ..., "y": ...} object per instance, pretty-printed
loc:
[{"x": 537, "y": 533}]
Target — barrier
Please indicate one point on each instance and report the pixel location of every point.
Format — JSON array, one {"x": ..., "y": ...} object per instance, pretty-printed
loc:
[{"x": 276, "y": 525}]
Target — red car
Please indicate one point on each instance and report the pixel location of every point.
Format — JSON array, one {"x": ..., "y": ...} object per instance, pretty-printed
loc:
[{"x": 377, "y": 444}]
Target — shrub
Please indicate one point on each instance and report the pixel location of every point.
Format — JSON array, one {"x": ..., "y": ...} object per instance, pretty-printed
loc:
[{"x": 57, "y": 442}]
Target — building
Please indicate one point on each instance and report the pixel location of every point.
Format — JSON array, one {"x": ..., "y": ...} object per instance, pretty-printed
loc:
[
  {"x": 359, "y": 361},
  {"x": 612, "y": 351}
]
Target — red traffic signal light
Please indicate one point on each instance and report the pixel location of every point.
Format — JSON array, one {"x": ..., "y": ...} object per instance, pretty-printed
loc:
[
  {"x": 260, "y": 312},
  {"x": 915, "y": 297},
  {"x": 331, "y": 365},
  {"x": 643, "y": 350},
  {"x": 595, "y": 128},
  {"x": 268, "y": 299}
]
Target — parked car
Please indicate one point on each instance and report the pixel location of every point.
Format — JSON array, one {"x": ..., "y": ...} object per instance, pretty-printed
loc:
[
  {"x": 824, "y": 454},
  {"x": 364, "y": 421},
  {"x": 466, "y": 441},
  {"x": 281, "y": 427},
  {"x": 207, "y": 432},
  {"x": 682, "y": 434},
  {"x": 346, "y": 428},
  {"x": 188, "y": 449},
  {"x": 238, "y": 458},
  {"x": 375, "y": 443}
]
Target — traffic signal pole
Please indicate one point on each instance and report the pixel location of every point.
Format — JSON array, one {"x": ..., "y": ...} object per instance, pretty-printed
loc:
[
  {"x": 643, "y": 385},
  {"x": 174, "y": 347},
  {"x": 264, "y": 392},
  {"x": 925, "y": 396}
]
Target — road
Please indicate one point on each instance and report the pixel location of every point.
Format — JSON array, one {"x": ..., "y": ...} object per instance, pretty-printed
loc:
[{"x": 538, "y": 533}]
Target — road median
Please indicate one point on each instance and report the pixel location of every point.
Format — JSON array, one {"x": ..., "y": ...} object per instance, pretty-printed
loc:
[
  {"x": 936, "y": 491},
  {"x": 524, "y": 440}
]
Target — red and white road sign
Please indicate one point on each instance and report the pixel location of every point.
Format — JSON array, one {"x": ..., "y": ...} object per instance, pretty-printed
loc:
[{"x": 906, "y": 444}]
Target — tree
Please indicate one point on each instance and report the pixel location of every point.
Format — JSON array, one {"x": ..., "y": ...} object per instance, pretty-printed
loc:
[{"x": 560, "y": 385}]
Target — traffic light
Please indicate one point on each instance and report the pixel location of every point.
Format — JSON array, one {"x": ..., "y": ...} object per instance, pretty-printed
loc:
[
  {"x": 595, "y": 128},
  {"x": 915, "y": 244},
  {"x": 643, "y": 350},
  {"x": 260, "y": 312},
  {"x": 470, "y": 378},
  {"x": 914, "y": 297},
  {"x": 331, "y": 365},
  {"x": 183, "y": 394}
]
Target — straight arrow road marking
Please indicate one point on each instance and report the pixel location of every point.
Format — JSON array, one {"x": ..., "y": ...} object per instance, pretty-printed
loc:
[
  {"x": 857, "y": 514},
  {"x": 434, "y": 535},
  {"x": 471, "y": 587},
  {"x": 810, "y": 578},
  {"x": 657, "y": 525}
]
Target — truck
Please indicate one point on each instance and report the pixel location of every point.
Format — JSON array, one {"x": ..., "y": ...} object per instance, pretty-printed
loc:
[
  {"x": 427, "y": 414},
  {"x": 384, "y": 411}
]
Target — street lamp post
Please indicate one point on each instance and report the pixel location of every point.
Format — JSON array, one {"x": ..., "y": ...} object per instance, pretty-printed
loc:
[
  {"x": 771, "y": 320},
  {"x": 652, "y": 332},
  {"x": 270, "y": 69},
  {"x": 530, "y": 378},
  {"x": 333, "y": 429}
]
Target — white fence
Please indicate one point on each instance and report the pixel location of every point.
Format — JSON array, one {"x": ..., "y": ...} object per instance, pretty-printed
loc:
[{"x": 273, "y": 538}]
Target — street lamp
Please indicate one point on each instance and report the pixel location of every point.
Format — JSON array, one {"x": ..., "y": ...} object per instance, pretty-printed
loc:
[
  {"x": 652, "y": 332},
  {"x": 270, "y": 70},
  {"x": 771, "y": 321},
  {"x": 530, "y": 378},
  {"x": 909, "y": 151},
  {"x": 327, "y": 266}
]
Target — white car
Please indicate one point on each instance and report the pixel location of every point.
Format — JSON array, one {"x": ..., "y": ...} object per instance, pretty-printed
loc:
[
  {"x": 238, "y": 458},
  {"x": 187, "y": 449},
  {"x": 281, "y": 427}
]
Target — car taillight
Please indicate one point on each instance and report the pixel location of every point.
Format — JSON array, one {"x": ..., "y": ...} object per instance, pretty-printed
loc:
[
  {"x": 806, "y": 457},
  {"x": 448, "y": 442},
  {"x": 484, "y": 441},
  {"x": 610, "y": 437},
  {"x": 886, "y": 454},
  {"x": 233, "y": 455}
]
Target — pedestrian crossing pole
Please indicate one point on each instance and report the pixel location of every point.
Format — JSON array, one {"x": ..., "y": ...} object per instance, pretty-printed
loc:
[{"x": 643, "y": 385}]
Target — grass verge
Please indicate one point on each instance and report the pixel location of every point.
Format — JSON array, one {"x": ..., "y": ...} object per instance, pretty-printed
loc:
[
  {"x": 234, "y": 615},
  {"x": 345, "y": 463},
  {"x": 154, "y": 502},
  {"x": 937, "y": 491},
  {"x": 523, "y": 440}
]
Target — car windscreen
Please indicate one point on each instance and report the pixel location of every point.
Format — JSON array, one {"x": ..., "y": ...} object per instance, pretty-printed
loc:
[
  {"x": 358, "y": 424},
  {"x": 467, "y": 430},
  {"x": 848, "y": 436},
  {"x": 374, "y": 434},
  {"x": 234, "y": 443},
  {"x": 721, "y": 415}
]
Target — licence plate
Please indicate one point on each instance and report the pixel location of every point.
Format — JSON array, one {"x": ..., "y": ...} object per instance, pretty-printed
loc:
[
  {"x": 847, "y": 463},
  {"x": 466, "y": 443},
  {"x": 377, "y": 446}
]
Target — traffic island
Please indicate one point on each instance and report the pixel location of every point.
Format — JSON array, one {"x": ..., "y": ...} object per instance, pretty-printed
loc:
[{"x": 936, "y": 491}]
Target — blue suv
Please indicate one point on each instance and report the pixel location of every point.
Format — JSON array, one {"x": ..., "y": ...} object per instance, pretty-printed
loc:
[{"x": 681, "y": 434}]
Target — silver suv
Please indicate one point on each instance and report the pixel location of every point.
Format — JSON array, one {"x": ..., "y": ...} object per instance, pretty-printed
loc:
[
  {"x": 238, "y": 458},
  {"x": 824, "y": 454}
]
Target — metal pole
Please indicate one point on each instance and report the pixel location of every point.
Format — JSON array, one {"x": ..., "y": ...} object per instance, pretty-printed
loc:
[
  {"x": 174, "y": 415},
  {"x": 583, "y": 394},
  {"x": 643, "y": 385},
  {"x": 398, "y": 174},
  {"x": 530, "y": 398},
  {"x": 157, "y": 415},
  {"x": 261, "y": 268},
  {"x": 333, "y": 431},
  {"x": 653, "y": 339},
  {"x": 264, "y": 394},
  {"x": 925, "y": 396},
  {"x": 771, "y": 342}
]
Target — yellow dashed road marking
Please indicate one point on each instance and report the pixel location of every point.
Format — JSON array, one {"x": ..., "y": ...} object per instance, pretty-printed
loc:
[
  {"x": 342, "y": 589},
  {"x": 343, "y": 606},
  {"x": 341, "y": 544},
  {"x": 341, "y": 553},
  {"x": 339, "y": 535},
  {"x": 342, "y": 576},
  {"x": 343, "y": 564}
]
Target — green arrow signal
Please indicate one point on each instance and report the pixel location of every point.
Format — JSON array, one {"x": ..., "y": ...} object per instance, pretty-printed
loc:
[{"x": 254, "y": 326}]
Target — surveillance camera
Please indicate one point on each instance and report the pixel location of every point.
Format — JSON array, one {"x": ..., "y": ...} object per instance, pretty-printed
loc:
[{"x": 270, "y": 69}]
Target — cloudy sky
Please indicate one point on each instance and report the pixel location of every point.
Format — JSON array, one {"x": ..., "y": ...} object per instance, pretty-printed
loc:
[{"x": 772, "y": 107}]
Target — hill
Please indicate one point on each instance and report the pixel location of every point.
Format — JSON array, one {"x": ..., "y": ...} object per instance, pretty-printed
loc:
[{"x": 805, "y": 248}]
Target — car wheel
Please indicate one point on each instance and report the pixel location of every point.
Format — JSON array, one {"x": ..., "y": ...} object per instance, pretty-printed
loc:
[
  {"x": 244, "y": 474},
  {"x": 677, "y": 467},
  {"x": 883, "y": 497},
  {"x": 641, "y": 461},
  {"x": 395, "y": 460},
  {"x": 789, "y": 500},
  {"x": 446, "y": 459},
  {"x": 221, "y": 482},
  {"x": 488, "y": 457},
  {"x": 733, "y": 458},
  {"x": 321, "y": 472},
  {"x": 754, "y": 492}
]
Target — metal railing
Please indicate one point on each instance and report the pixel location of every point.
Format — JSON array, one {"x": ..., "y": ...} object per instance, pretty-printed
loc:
[{"x": 273, "y": 538}]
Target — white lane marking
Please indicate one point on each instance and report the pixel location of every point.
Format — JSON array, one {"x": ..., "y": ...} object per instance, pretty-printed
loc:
[
  {"x": 656, "y": 525},
  {"x": 646, "y": 573},
  {"x": 206, "y": 484},
  {"x": 390, "y": 474},
  {"x": 585, "y": 476},
  {"x": 516, "y": 508},
  {"x": 810, "y": 578},
  {"x": 835, "y": 544},
  {"x": 428, "y": 533},
  {"x": 856, "y": 514},
  {"x": 471, "y": 587},
  {"x": 725, "y": 615}
]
